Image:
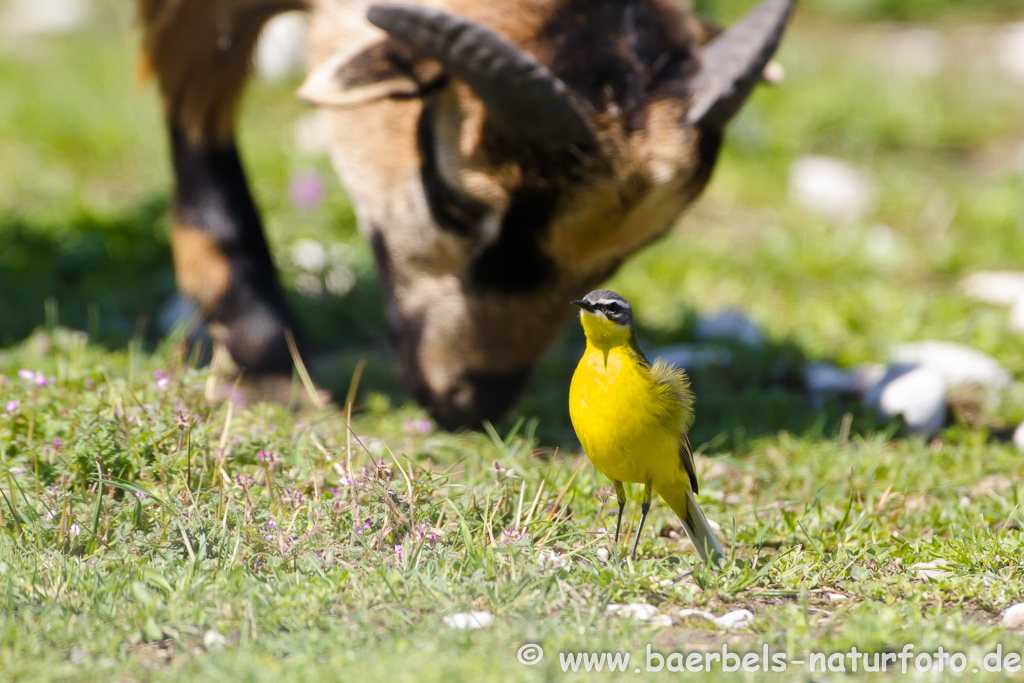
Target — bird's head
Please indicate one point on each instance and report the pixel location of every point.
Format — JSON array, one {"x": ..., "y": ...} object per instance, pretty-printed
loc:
[{"x": 607, "y": 318}]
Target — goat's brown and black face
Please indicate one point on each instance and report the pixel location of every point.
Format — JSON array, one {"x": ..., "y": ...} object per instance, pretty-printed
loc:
[{"x": 504, "y": 157}]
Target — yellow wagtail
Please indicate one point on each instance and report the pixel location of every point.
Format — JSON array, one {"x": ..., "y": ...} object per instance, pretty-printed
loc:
[{"x": 631, "y": 418}]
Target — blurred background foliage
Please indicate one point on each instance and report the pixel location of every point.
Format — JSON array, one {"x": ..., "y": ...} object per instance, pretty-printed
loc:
[{"x": 915, "y": 96}]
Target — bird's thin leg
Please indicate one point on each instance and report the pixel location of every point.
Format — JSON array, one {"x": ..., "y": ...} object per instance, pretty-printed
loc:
[
  {"x": 620, "y": 494},
  {"x": 645, "y": 507}
]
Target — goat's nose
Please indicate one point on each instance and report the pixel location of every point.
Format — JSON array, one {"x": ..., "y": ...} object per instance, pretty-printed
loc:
[{"x": 475, "y": 397}]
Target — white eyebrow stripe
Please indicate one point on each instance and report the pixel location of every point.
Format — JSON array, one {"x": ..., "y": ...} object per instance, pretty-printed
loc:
[{"x": 605, "y": 302}]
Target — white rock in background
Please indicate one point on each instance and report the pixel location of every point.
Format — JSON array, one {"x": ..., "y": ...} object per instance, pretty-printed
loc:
[
  {"x": 693, "y": 356},
  {"x": 916, "y": 393},
  {"x": 914, "y": 51},
  {"x": 825, "y": 378},
  {"x": 959, "y": 365},
  {"x": 1013, "y": 617},
  {"x": 662, "y": 620},
  {"x": 1018, "y": 437},
  {"x": 832, "y": 187},
  {"x": 999, "y": 287},
  {"x": 212, "y": 639},
  {"x": 736, "y": 619},
  {"x": 469, "y": 620},
  {"x": 1011, "y": 51},
  {"x": 309, "y": 255},
  {"x": 281, "y": 51},
  {"x": 932, "y": 571},
  {"x": 638, "y": 611},
  {"x": 1017, "y": 316},
  {"x": 731, "y": 325},
  {"x": 41, "y": 17}
]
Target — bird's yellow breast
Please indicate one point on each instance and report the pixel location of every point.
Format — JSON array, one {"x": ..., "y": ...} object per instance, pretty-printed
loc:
[{"x": 626, "y": 422}]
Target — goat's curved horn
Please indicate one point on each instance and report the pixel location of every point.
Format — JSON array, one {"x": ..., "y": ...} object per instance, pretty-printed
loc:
[
  {"x": 732, "y": 63},
  {"x": 524, "y": 99}
]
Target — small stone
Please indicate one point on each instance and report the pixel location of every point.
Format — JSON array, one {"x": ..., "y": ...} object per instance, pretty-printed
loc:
[
  {"x": 918, "y": 394},
  {"x": 999, "y": 287},
  {"x": 340, "y": 280},
  {"x": 693, "y": 356},
  {"x": 212, "y": 639},
  {"x": 732, "y": 620},
  {"x": 602, "y": 554},
  {"x": 959, "y": 365},
  {"x": 309, "y": 255},
  {"x": 1017, "y": 316},
  {"x": 662, "y": 620},
  {"x": 836, "y": 597},
  {"x": 1013, "y": 617},
  {"x": 469, "y": 620},
  {"x": 281, "y": 51},
  {"x": 638, "y": 611},
  {"x": 931, "y": 571},
  {"x": 1011, "y": 51},
  {"x": 1018, "y": 437},
  {"x": 825, "y": 378},
  {"x": 832, "y": 188},
  {"x": 730, "y": 325},
  {"x": 740, "y": 618}
]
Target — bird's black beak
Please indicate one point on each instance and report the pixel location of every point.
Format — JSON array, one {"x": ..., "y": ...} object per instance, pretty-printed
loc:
[{"x": 585, "y": 305}]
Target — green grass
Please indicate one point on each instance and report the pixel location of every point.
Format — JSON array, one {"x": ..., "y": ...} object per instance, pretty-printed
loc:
[{"x": 135, "y": 516}]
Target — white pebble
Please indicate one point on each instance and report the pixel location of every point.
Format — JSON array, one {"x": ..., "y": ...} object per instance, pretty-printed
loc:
[
  {"x": 693, "y": 356},
  {"x": 918, "y": 394},
  {"x": 731, "y": 325},
  {"x": 732, "y": 620},
  {"x": 1018, "y": 437},
  {"x": 932, "y": 571},
  {"x": 212, "y": 639},
  {"x": 340, "y": 280},
  {"x": 999, "y": 287},
  {"x": 662, "y": 620},
  {"x": 41, "y": 17},
  {"x": 309, "y": 255},
  {"x": 602, "y": 554},
  {"x": 281, "y": 51},
  {"x": 1013, "y": 617},
  {"x": 825, "y": 378},
  {"x": 832, "y": 187},
  {"x": 1011, "y": 51},
  {"x": 736, "y": 619},
  {"x": 959, "y": 365},
  {"x": 836, "y": 597},
  {"x": 638, "y": 611},
  {"x": 1017, "y": 316},
  {"x": 469, "y": 620}
]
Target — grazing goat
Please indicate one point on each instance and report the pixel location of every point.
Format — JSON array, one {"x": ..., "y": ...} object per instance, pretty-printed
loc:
[{"x": 503, "y": 158}]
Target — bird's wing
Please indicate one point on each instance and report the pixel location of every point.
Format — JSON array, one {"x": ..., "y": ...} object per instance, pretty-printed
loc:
[{"x": 674, "y": 379}]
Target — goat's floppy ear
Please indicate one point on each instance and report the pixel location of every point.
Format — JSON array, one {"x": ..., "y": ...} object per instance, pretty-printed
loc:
[{"x": 385, "y": 69}]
